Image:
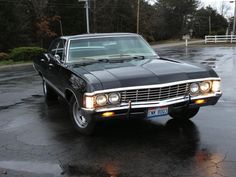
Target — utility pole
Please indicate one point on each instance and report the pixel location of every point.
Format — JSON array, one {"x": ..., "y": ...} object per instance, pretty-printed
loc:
[
  {"x": 61, "y": 27},
  {"x": 86, "y": 6},
  {"x": 87, "y": 15},
  {"x": 138, "y": 9},
  {"x": 94, "y": 16},
  {"x": 234, "y": 16},
  {"x": 209, "y": 25}
]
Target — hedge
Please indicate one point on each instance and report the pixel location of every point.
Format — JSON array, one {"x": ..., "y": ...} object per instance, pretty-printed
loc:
[
  {"x": 25, "y": 53},
  {"x": 3, "y": 56}
]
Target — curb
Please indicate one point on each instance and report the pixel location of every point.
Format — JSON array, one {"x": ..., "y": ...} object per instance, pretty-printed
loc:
[{"x": 16, "y": 66}]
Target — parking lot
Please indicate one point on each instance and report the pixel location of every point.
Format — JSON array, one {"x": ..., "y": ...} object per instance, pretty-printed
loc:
[{"x": 37, "y": 139}]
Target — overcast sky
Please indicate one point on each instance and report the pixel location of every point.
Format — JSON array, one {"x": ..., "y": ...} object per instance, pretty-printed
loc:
[{"x": 217, "y": 4}]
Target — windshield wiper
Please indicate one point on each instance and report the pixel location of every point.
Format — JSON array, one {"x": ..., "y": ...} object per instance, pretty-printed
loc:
[
  {"x": 105, "y": 60},
  {"x": 87, "y": 59},
  {"x": 114, "y": 58},
  {"x": 139, "y": 57},
  {"x": 84, "y": 61},
  {"x": 119, "y": 55},
  {"x": 127, "y": 56}
]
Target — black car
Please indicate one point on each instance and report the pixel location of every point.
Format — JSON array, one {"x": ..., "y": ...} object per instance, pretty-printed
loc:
[{"x": 118, "y": 75}]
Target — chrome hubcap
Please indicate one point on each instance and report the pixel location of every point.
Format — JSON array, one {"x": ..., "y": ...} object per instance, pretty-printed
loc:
[{"x": 80, "y": 120}]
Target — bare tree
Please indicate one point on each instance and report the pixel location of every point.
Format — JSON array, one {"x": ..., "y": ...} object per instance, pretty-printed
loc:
[
  {"x": 224, "y": 8},
  {"x": 38, "y": 7}
]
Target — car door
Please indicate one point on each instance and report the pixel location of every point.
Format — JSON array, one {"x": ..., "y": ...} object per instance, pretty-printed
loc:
[
  {"x": 56, "y": 63},
  {"x": 43, "y": 64}
]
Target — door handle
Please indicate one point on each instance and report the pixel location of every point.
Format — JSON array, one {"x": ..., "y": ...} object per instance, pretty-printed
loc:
[{"x": 51, "y": 65}]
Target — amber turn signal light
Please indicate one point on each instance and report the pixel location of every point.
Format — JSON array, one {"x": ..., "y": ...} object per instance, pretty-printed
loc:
[
  {"x": 202, "y": 101},
  {"x": 108, "y": 114}
]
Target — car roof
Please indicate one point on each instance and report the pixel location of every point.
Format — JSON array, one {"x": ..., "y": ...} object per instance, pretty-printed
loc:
[{"x": 97, "y": 35}]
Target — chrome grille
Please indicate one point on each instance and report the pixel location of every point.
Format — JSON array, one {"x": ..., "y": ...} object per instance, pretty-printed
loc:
[{"x": 155, "y": 94}]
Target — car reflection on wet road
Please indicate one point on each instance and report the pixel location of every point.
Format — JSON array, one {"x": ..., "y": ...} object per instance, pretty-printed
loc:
[{"x": 37, "y": 139}]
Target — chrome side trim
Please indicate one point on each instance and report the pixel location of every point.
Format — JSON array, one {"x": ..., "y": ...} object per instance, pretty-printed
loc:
[
  {"x": 60, "y": 92},
  {"x": 54, "y": 87},
  {"x": 153, "y": 103},
  {"x": 35, "y": 69},
  {"x": 151, "y": 86}
]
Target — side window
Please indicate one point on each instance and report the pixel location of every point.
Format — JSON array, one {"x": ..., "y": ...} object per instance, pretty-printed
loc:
[
  {"x": 61, "y": 44},
  {"x": 57, "y": 47},
  {"x": 53, "y": 47},
  {"x": 60, "y": 49}
]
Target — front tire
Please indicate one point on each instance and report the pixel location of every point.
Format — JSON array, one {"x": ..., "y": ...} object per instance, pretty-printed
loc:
[
  {"x": 49, "y": 93},
  {"x": 184, "y": 114},
  {"x": 83, "y": 124}
]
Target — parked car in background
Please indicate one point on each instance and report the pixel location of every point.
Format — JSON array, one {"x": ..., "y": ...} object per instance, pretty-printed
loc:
[{"x": 119, "y": 76}]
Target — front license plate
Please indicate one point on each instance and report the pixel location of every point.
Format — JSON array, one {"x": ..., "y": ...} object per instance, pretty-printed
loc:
[{"x": 157, "y": 112}]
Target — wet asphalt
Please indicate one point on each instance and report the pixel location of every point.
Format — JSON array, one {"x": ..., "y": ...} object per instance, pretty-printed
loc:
[{"x": 37, "y": 138}]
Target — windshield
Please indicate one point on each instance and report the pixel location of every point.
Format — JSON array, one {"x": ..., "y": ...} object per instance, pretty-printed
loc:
[{"x": 108, "y": 48}]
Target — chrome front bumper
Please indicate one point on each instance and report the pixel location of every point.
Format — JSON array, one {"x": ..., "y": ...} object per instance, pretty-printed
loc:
[{"x": 137, "y": 105}]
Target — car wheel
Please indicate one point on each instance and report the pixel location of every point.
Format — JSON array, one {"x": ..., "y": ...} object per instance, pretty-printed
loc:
[
  {"x": 49, "y": 93},
  {"x": 83, "y": 124},
  {"x": 184, "y": 114}
]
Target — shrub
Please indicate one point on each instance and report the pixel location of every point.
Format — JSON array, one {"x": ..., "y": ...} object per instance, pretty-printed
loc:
[
  {"x": 4, "y": 56},
  {"x": 25, "y": 53}
]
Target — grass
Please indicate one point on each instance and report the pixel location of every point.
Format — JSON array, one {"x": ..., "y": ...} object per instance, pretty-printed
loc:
[{"x": 10, "y": 62}]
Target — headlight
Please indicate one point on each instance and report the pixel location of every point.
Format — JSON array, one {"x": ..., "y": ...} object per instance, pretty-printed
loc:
[
  {"x": 89, "y": 102},
  {"x": 205, "y": 86},
  {"x": 114, "y": 98},
  {"x": 101, "y": 100},
  {"x": 194, "y": 88},
  {"x": 216, "y": 86}
]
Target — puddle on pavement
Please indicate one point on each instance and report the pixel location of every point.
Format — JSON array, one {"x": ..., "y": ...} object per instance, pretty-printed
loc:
[
  {"x": 209, "y": 55},
  {"x": 211, "y": 62},
  {"x": 32, "y": 167},
  {"x": 107, "y": 170},
  {"x": 8, "y": 106}
]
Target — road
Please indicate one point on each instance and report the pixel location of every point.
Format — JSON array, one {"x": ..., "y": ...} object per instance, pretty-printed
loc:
[{"x": 37, "y": 139}]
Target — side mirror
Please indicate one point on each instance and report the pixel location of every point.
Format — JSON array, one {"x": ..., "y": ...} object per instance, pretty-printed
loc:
[
  {"x": 57, "y": 58},
  {"x": 47, "y": 57}
]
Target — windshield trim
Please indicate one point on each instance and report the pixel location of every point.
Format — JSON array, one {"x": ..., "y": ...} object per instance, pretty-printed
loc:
[{"x": 107, "y": 36}]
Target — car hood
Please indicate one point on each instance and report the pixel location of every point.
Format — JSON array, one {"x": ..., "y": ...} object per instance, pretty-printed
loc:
[{"x": 108, "y": 75}]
